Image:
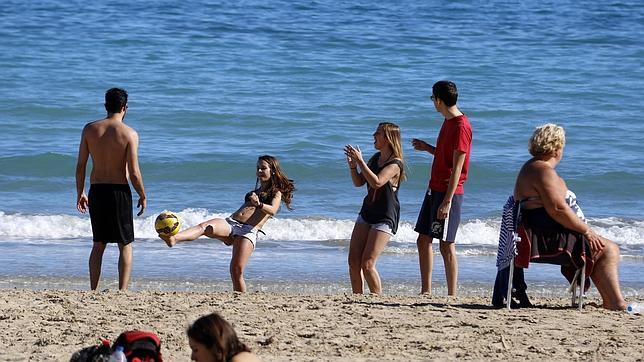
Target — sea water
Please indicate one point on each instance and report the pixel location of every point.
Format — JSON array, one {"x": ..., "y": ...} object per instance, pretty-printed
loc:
[{"x": 214, "y": 85}]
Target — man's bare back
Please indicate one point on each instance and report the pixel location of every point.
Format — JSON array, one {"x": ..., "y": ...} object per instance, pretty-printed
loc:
[
  {"x": 108, "y": 142},
  {"x": 113, "y": 146}
]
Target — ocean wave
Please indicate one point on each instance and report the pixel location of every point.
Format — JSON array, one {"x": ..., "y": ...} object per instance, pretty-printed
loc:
[
  {"x": 477, "y": 232},
  {"x": 41, "y": 165}
]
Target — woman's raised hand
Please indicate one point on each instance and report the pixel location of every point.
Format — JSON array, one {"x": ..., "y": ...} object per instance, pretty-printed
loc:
[
  {"x": 350, "y": 160},
  {"x": 353, "y": 154}
]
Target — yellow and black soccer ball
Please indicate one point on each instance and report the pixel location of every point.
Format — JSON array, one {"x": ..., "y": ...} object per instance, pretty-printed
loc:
[{"x": 167, "y": 223}]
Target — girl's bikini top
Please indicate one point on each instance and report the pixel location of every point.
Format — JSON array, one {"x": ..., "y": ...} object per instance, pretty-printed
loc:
[{"x": 265, "y": 199}]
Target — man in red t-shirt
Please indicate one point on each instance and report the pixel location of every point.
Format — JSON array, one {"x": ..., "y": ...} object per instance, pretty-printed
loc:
[{"x": 441, "y": 211}]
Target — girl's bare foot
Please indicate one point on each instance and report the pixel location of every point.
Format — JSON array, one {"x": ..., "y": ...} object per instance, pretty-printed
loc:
[{"x": 169, "y": 240}]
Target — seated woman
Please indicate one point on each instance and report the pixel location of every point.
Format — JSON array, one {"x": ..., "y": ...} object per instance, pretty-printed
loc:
[
  {"x": 240, "y": 230},
  {"x": 551, "y": 222},
  {"x": 213, "y": 339}
]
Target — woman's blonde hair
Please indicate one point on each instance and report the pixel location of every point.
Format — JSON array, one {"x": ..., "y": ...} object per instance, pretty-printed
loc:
[
  {"x": 392, "y": 134},
  {"x": 546, "y": 140}
]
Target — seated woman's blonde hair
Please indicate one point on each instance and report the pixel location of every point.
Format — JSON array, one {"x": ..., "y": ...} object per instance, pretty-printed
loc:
[{"x": 546, "y": 140}]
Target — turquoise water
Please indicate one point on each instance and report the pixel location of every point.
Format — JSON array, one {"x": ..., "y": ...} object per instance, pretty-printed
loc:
[{"x": 213, "y": 85}]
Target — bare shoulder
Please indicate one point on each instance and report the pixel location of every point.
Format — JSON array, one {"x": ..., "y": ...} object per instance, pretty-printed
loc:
[
  {"x": 541, "y": 177},
  {"x": 532, "y": 175},
  {"x": 124, "y": 127},
  {"x": 546, "y": 172},
  {"x": 245, "y": 357},
  {"x": 129, "y": 132},
  {"x": 394, "y": 165},
  {"x": 89, "y": 126},
  {"x": 536, "y": 168}
]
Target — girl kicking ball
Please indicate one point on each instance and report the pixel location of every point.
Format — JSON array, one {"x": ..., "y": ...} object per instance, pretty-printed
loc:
[{"x": 240, "y": 229}]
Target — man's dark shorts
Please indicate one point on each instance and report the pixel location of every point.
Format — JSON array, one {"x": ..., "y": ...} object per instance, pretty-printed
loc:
[
  {"x": 110, "y": 209},
  {"x": 427, "y": 224}
]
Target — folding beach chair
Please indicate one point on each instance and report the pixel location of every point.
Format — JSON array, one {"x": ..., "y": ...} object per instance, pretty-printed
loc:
[
  {"x": 578, "y": 280},
  {"x": 511, "y": 234}
]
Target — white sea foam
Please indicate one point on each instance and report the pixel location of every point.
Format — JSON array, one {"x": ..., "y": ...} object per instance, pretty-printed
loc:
[{"x": 474, "y": 232}]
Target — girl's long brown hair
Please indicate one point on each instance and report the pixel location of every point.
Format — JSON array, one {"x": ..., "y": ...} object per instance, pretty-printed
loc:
[
  {"x": 218, "y": 336},
  {"x": 392, "y": 134},
  {"x": 278, "y": 182}
]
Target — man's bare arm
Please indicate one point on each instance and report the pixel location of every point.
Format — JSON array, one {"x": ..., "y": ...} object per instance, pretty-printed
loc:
[
  {"x": 458, "y": 159},
  {"x": 81, "y": 166},
  {"x": 134, "y": 171},
  {"x": 420, "y": 145}
]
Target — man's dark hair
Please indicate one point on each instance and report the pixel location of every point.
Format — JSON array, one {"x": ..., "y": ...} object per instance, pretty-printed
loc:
[
  {"x": 115, "y": 100},
  {"x": 446, "y": 91}
]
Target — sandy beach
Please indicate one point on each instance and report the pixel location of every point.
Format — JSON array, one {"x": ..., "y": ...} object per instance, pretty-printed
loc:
[{"x": 50, "y": 325}]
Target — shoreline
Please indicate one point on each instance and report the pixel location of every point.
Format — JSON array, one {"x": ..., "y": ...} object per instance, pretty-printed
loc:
[
  {"x": 546, "y": 283},
  {"x": 275, "y": 267},
  {"x": 52, "y": 324}
]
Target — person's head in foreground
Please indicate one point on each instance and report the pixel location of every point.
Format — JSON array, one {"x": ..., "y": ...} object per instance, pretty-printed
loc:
[
  {"x": 213, "y": 339},
  {"x": 547, "y": 141}
]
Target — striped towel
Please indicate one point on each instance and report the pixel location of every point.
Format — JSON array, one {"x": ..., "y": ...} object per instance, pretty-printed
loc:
[{"x": 508, "y": 237}]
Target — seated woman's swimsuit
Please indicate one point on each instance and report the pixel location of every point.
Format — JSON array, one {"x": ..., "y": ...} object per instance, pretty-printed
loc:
[{"x": 552, "y": 243}]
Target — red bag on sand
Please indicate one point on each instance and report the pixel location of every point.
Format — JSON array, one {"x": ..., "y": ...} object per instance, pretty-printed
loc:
[{"x": 140, "y": 346}]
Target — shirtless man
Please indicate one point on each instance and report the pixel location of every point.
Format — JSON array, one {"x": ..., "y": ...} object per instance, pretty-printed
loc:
[{"x": 113, "y": 146}]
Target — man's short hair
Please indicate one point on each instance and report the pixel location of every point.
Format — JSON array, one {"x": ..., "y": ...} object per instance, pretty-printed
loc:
[
  {"x": 446, "y": 91},
  {"x": 115, "y": 100}
]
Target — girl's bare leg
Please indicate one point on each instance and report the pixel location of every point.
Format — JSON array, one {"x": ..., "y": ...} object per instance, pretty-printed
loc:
[
  {"x": 376, "y": 242},
  {"x": 242, "y": 249},
  {"x": 213, "y": 228},
  {"x": 356, "y": 248}
]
